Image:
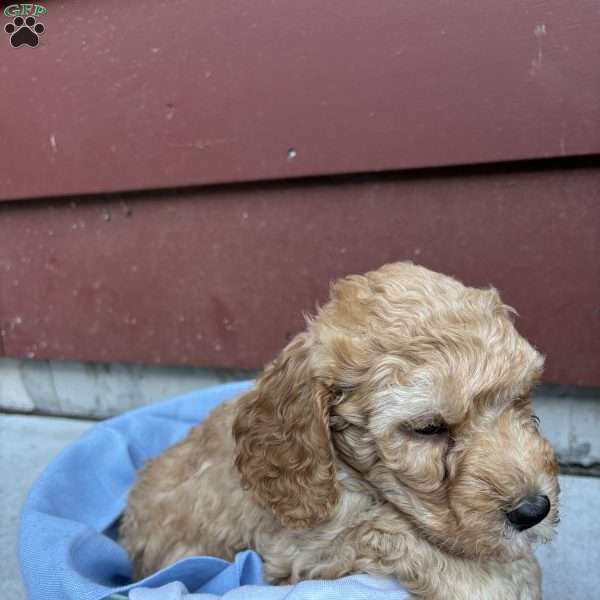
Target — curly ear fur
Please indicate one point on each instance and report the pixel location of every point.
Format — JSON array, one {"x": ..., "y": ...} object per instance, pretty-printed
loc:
[{"x": 283, "y": 448}]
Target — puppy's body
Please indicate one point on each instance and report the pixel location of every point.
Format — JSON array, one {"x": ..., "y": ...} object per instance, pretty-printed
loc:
[
  {"x": 190, "y": 502},
  {"x": 328, "y": 466}
]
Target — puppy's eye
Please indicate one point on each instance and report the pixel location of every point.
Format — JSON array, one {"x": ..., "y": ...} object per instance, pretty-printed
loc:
[
  {"x": 432, "y": 429},
  {"x": 336, "y": 395}
]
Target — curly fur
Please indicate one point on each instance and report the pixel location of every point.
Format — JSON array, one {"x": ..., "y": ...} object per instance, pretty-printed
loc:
[{"x": 321, "y": 469}]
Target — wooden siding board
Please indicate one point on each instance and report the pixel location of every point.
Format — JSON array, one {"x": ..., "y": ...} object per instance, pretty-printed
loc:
[
  {"x": 142, "y": 95},
  {"x": 220, "y": 276}
]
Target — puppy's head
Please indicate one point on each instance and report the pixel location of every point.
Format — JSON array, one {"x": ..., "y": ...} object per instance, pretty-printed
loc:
[{"x": 420, "y": 387}]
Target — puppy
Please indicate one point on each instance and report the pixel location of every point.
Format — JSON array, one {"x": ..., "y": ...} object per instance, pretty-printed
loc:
[{"x": 393, "y": 437}]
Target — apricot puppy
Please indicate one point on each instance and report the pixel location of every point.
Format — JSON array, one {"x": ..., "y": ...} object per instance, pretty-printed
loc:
[{"x": 394, "y": 436}]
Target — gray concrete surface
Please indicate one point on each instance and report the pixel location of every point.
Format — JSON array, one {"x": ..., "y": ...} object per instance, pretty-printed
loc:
[
  {"x": 570, "y": 564},
  {"x": 28, "y": 443}
]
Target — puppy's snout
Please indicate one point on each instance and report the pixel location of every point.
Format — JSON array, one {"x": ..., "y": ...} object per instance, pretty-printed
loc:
[{"x": 530, "y": 512}]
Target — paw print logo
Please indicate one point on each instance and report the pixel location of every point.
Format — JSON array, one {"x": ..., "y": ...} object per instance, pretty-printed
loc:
[{"x": 24, "y": 31}]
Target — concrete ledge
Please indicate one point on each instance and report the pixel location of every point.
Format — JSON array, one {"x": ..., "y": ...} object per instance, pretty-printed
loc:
[
  {"x": 572, "y": 424},
  {"x": 97, "y": 390}
]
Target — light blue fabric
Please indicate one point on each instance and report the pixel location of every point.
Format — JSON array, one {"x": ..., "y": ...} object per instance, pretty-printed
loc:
[
  {"x": 356, "y": 587},
  {"x": 67, "y": 546}
]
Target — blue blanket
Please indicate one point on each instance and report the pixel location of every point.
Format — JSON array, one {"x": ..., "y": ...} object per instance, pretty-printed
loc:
[{"x": 68, "y": 548}]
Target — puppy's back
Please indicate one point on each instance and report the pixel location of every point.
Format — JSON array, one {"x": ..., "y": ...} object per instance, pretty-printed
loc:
[{"x": 188, "y": 501}]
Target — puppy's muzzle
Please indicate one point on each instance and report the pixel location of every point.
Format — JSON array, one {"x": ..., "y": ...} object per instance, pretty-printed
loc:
[{"x": 530, "y": 512}]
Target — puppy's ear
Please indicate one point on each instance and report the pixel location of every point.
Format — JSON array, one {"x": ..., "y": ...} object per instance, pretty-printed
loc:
[{"x": 283, "y": 447}]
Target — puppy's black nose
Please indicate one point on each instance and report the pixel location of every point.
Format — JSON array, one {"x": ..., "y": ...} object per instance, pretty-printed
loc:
[{"x": 530, "y": 512}]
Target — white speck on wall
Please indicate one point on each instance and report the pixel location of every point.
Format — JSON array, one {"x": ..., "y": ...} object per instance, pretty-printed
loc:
[
  {"x": 539, "y": 32},
  {"x": 204, "y": 144},
  {"x": 53, "y": 143}
]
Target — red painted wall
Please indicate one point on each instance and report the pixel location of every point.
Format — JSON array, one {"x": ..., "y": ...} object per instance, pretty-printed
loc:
[
  {"x": 220, "y": 276},
  {"x": 176, "y": 97}
]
